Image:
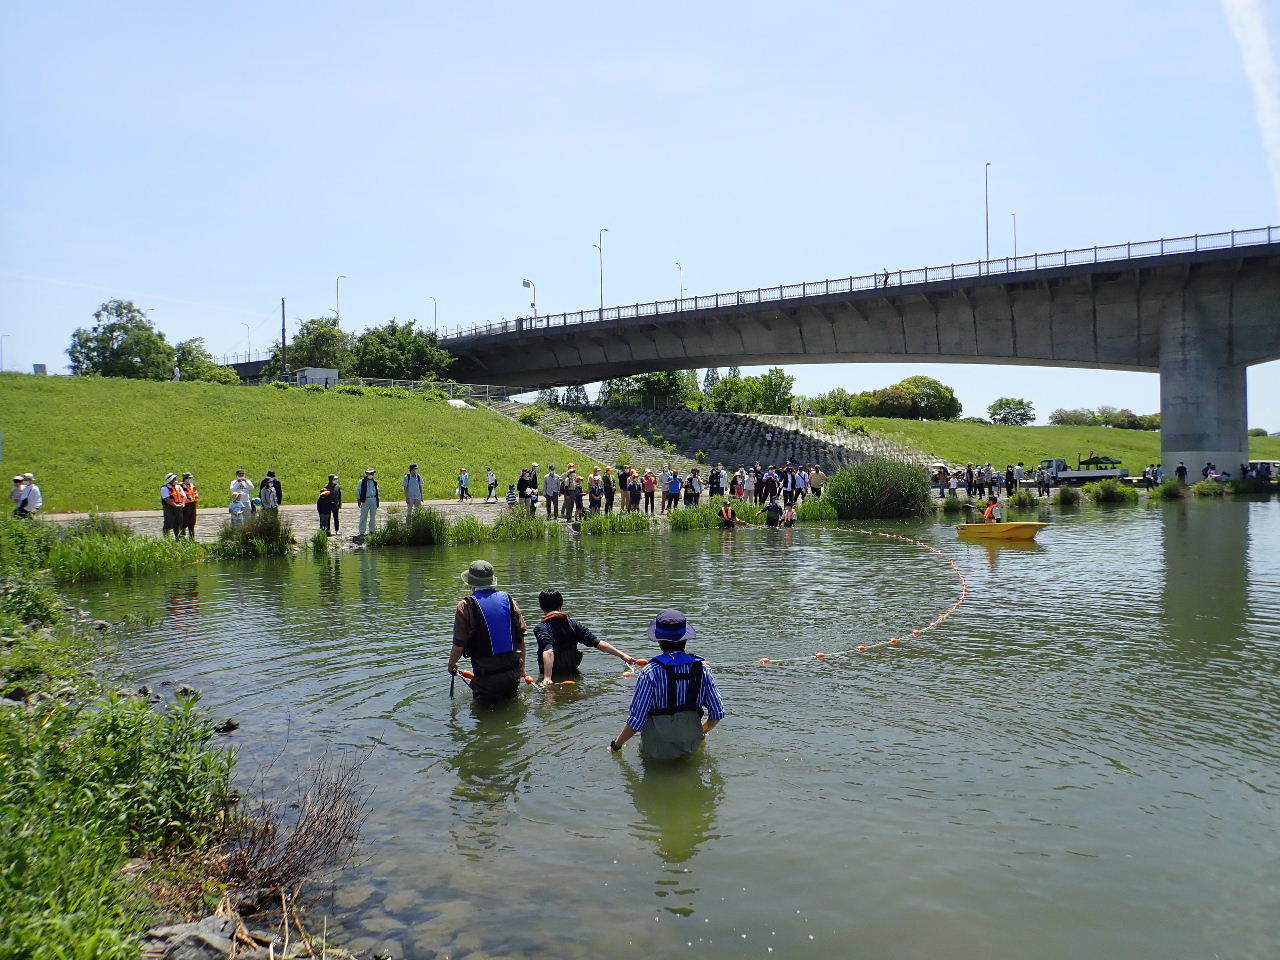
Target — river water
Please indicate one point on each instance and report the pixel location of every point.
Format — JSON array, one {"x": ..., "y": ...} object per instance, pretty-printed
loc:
[{"x": 1083, "y": 761}]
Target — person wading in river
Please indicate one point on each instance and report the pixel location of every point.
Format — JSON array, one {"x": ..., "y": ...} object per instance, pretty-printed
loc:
[
  {"x": 558, "y": 636},
  {"x": 672, "y": 693},
  {"x": 488, "y": 629}
]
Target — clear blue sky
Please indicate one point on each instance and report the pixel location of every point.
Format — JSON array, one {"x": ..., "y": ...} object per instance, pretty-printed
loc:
[{"x": 206, "y": 160}]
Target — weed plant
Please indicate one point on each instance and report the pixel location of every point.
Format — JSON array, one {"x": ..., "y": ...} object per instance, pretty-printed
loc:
[
  {"x": 262, "y": 534},
  {"x": 421, "y": 528},
  {"x": 951, "y": 505},
  {"x": 466, "y": 530},
  {"x": 319, "y": 539},
  {"x": 817, "y": 510},
  {"x": 705, "y": 516},
  {"x": 1067, "y": 496},
  {"x": 1209, "y": 488},
  {"x": 879, "y": 488},
  {"x": 1249, "y": 486},
  {"x": 518, "y": 525},
  {"x": 1024, "y": 500},
  {"x": 602, "y": 524},
  {"x": 98, "y": 557},
  {"x": 1110, "y": 491},
  {"x": 1171, "y": 489}
]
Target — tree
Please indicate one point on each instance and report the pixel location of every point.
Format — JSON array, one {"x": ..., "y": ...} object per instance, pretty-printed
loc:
[
  {"x": 1011, "y": 412},
  {"x": 549, "y": 397},
  {"x": 576, "y": 396},
  {"x": 197, "y": 363},
  {"x": 319, "y": 342},
  {"x": 1073, "y": 417},
  {"x": 710, "y": 380},
  {"x": 735, "y": 372},
  {"x": 937, "y": 400},
  {"x": 121, "y": 343},
  {"x": 775, "y": 390},
  {"x": 399, "y": 351}
]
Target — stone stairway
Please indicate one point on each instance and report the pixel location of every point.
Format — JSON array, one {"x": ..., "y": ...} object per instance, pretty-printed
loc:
[
  {"x": 866, "y": 443},
  {"x": 609, "y": 445}
]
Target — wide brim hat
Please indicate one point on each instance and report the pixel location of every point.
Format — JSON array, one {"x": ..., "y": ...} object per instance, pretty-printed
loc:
[
  {"x": 479, "y": 574},
  {"x": 170, "y": 476},
  {"x": 671, "y": 625}
]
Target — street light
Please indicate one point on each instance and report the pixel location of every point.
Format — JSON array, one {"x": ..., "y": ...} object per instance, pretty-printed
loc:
[
  {"x": 1014, "y": 214},
  {"x": 599, "y": 245},
  {"x": 337, "y": 297},
  {"x": 248, "y": 339},
  {"x": 435, "y": 315},
  {"x": 3, "y": 338},
  {"x": 986, "y": 203},
  {"x": 534, "y": 287},
  {"x": 680, "y": 268}
]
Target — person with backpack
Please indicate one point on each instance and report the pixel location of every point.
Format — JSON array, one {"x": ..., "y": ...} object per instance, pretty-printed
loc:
[
  {"x": 412, "y": 486},
  {"x": 488, "y": 630},
  {"x": 324, "y": 508},
  {"x": 673, "y": 693},
  {"x": 558, "y": 636},
  {"x": 367, "y": 499}
]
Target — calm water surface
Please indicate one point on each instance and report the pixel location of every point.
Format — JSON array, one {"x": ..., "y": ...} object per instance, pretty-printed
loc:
[{"x": 1083, "y": 762}]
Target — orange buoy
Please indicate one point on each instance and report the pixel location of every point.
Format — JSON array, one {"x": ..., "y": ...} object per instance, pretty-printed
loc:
[
  {"x": 915, "y": 633},
  {"x": 467, "y": 675},
  {"x": 862, "y": 646},
  {"x": 568, "y": 683},
  {"x": 642, "y": 663},
  {"x": 820, "y": 656},
  {"x": 528, "y": 679},
  {"x": 895, "y": 639},
  {"x": 765, "y": 660}
]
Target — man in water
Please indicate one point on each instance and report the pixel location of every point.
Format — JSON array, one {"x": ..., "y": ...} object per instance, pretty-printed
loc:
[
  {"x": 671, "y": 694},
  {"x": 772, "y": 512},
  {"x": 558, "y": 636},
  {"x": 488, "y": 629}
]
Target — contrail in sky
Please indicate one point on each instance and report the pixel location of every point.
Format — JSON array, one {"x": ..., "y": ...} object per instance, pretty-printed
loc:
[{"x": 1249, "y": 27}]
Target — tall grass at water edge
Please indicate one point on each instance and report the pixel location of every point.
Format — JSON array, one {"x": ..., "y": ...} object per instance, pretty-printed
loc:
[
  {"x": 418, "y": 528},
  {"x": 879, "y": 488},
  {"x": 1171, "y": 489},
  {"x": 1111, "y": 491},
  {"x": 603, "y": 524},
  {"x": 1209, "y": 488},
  {"x": 1067, "y": 496},
  {"x": 98, "y": 557},
  {"x": 265, "y": 533}
]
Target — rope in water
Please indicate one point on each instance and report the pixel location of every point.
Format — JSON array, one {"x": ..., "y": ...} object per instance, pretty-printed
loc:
[{"x": 868, "y": 647}]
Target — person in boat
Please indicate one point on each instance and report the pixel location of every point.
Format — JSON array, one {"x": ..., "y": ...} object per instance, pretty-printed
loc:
[
  {"x": 558, "y": 636},
  {"x": 993, "y": 513},
  {"x": 729, "y": 517},
  {"x": 488, "y": 630},
  {"x": 673, "y": 692}
]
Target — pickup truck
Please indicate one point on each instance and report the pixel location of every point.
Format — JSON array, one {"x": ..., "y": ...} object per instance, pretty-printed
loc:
[{"x": 1085, "y": 471}]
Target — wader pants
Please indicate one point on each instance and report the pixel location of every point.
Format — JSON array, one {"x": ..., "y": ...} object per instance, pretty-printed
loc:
[
  {"x": 189, "y": 519},
  {"x": 496, "y": 678},
  {"x": 672, "y": 736}
]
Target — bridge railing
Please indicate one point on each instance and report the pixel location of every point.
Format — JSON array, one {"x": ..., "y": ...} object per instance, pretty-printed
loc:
[{"x": 890, "y": 278}]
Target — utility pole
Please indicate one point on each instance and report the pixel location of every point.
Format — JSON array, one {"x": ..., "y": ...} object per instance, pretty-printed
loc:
[
  {"x": 284, "y": 356},
  {"x": 435, "y": 317},
  {"x": 337, "y": 298}
]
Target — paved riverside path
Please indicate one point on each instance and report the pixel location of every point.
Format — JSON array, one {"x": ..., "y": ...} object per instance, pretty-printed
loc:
[{"x": 306, "y": 521}]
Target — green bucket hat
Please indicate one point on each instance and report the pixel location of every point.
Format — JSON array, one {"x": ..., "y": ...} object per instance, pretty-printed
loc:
[{"x": 479, "y": 574}]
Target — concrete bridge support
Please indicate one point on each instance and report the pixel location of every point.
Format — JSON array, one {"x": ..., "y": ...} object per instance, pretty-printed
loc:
[{"x": 1203, "y": 412}]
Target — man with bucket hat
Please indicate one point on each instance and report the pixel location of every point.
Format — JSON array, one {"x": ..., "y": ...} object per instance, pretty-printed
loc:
[
  {"x": 488, "y": 629},
  {"x": 671, "y": 694}
]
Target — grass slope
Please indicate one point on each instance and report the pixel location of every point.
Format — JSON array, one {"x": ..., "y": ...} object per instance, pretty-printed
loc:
[
  {"x": 980, "y": 442},
  {"x": 106, "y": 444}
]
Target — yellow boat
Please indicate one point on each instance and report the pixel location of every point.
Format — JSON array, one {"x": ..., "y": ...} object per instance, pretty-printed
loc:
[{"x": 1026, "y": 530}]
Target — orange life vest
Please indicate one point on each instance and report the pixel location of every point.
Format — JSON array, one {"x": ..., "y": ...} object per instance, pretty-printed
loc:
[
  {"x": 189, "y": 492},
  {"x": 990, "y": 512},
  {"x": 177, "y": 496}
]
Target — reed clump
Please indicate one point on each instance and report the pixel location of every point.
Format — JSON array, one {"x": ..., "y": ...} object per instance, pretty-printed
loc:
[
  {"x": 419, "y": 528},
  {"x": 879, "y": 488},
  {"x": 1209, "y": 488},
  {"x": 817, "y": 510},
  {"x": 704, "y": 516},
  {"x": 263, "y": 534},
  {"x": 1067, "y": 496},
  {"x": 951, "y": 505},
  {"x": 1171, "y": 489},
  {"x": 467, "y": 530},
  {"x": 1110, "y": 491},
  {"x": 603, "y": 524},
  {"x": 99, "y": 557},
  {"x": 1024, "y": 500},
  {"x": 519, "y": 525}
]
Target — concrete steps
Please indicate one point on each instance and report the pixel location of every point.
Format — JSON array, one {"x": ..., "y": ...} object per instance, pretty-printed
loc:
[{"x": 609, "y": 445}]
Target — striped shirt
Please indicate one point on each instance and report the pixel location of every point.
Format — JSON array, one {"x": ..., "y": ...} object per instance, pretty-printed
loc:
[
  {"x": 511, "y": 498},
  {"x": 651, "y": 693}
]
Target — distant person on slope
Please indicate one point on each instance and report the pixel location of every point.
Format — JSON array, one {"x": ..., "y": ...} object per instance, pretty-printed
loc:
[
  {"x": 16, "y": 492},
  {"x": 32, "y": 499}
]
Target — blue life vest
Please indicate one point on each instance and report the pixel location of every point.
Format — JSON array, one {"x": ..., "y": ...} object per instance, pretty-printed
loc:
[
  {"x": 495, "y": 607},
  {"x": 681, "y": 671}
]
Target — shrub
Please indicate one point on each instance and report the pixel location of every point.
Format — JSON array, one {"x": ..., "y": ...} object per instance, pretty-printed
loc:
[
  {"x": 263, "y": 534},
  {"x": 879, "y": 488},
  {"x": 97, "y": 524},
  {"x": 434, "y": 396},
  {"x": 531, "y": 417},
  {"x": 314, "y": 388},
  {"x": 1067, "y": 496},
  {"x": 952, "y": 505},
  {"x": 1209, "y": 488},
  {"x": 319, "y": 542},
  {"x": 518, "y": 525},
  {"x": 623, "y": 461},
  {"x": 351, "y": 389},
  {"x": 1023, "y": 500},
  {"x": 596, "y": 524},
  {"x": 466, "y": 530},
  {"x": 97, "y": 557},
  {"x": 1257, "y": 431},
  {"x": 1249, "y": 486},
  {"x": 422, "y": 527},
  {"x": 395, "y": 393},
  {"x": 25, "y": 596},
  {"x": 1110, "y": 491},
  {"x": 700, "y": 457},
  {"x": 586, "y": 431},
  {"x": 1170, "y": 489},
  {"x": 817, "y": 510},
  {"x": 280, "y": 384}
]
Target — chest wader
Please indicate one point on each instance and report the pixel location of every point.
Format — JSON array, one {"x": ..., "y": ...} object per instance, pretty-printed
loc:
[
  {"x": 494, "y": 659},
  {"x": 568, "y": 660},
  {"x": 675, "y": 731}
]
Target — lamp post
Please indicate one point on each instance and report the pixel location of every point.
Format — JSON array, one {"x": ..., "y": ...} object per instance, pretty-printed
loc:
[
  {"x": 435, "y": 316},
  {"x": 986, "y": 204},
  {"x": 248, "y": 339},
  {"x": 3, "y": 338},
  {"x": 680, "y": 270},
  {"x": 599, "y": 245},
  {"x": 337, "y": 297},
  {"x": 534, "y": 287},
  {"x": 1014, "y": 214}
]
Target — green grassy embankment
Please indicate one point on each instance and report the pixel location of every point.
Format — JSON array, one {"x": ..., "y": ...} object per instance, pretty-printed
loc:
[
  {"x": 958, "y": 443},
  {"x": 106, "y": 444}
]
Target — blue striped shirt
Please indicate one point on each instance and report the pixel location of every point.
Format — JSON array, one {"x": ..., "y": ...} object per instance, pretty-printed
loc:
[{"x": 651, "y": 693}]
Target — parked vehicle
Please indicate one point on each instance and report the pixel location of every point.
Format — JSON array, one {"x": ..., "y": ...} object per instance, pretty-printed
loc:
[{"x": 1085, "y": 471}]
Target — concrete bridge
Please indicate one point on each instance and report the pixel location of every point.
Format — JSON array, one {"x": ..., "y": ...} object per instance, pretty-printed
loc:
[{"x": 1197, "y": 310}]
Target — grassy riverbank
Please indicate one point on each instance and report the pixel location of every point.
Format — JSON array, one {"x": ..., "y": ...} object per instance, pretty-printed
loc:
[
  {"x": 106, "y": 444},
  {"x": 983, "y": 443}
]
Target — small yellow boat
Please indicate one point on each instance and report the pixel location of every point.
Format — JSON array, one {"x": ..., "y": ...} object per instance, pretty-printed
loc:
[{"x": 1025, "y": 530}]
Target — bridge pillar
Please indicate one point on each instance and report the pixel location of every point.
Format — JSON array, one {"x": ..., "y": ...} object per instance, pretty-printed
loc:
[{"x": 1203, "y": 413}]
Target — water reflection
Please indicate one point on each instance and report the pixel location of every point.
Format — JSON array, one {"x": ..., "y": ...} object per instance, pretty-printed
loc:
[
  {"x": 994, "y": 548},
  {"x": 1206, "y": 572},
  {"x": 490, "y": 759},
  {"x": 677, "y": 805}
]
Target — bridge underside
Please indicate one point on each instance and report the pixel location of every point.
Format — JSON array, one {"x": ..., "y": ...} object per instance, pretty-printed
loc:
[{"x": 1197, "y": 319}]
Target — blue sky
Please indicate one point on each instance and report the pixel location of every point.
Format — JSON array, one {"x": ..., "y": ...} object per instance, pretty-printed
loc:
[{"x": 205, "y": 163}]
